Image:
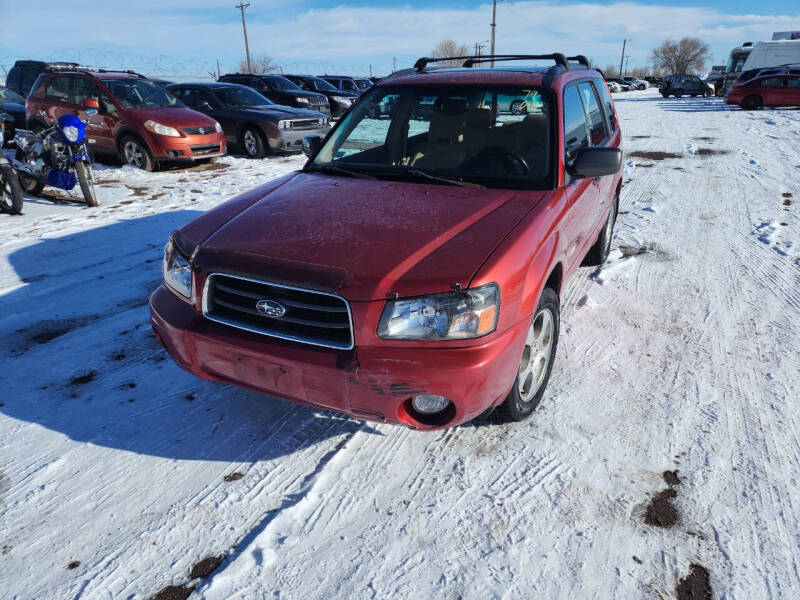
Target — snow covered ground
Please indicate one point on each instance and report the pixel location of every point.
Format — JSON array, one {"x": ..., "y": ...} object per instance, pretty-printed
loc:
[{"x": 119, "y": 472}]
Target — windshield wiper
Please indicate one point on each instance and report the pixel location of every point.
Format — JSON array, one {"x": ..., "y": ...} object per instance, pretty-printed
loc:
[
  {"x": 449, "y": 180},
  {"x": 340, "y": 171}
]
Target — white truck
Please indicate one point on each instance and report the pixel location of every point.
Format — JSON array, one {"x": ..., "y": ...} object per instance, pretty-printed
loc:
[{"x": 773, "y": 54}]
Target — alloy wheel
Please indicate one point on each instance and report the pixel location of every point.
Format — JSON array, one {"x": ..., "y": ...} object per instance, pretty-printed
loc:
[
  {"x": 536, "y": 355},
  {"x": 250, "y": 143},
  {"x": 134, "y": 154}
]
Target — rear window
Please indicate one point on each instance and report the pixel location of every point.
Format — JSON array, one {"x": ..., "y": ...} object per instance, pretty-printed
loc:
[{"x": 58, "y": 89}]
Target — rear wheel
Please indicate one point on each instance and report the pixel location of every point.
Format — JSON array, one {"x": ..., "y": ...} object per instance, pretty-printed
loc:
[
  {"x": 751, "y": 103},
  {"x": 84, "y": 173},
  {"x": 678, "y": 94},
  {"x": 10, "y": 191},
  {"x": 537, "y": 360},
  {"x": 708, "y": 93},
  {"x": 253, "y": 143},
  {"x": 598, "y": 253},
  {"x": 134, "y": 152}
]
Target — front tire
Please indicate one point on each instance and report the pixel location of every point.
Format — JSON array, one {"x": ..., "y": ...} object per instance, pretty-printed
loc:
[
  {"x": 84, "y": 174},
  {"x": 134, "y": 152},
  {"x": 253, "y": 143},
  {"x": 10, "y": 191},
  {"x": 30, "y": 185},
  {"x": 537, "y": 360}
]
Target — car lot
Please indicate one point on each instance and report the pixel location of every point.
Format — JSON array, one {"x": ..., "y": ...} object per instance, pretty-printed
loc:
[{"x": 679, "y": 354}]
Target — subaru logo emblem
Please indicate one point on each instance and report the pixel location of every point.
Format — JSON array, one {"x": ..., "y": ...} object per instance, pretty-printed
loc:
[{"x": 270, "y": 308}]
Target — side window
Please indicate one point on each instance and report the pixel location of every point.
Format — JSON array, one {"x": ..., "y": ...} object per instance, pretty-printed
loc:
[
  {"x": 597, "y": 122},
  {"x": 86, "y": 88},
  {"x": 793, "y": 82},
  {"x": 608, "y": 104},
  {"x": 349, "y": 85},
  {"x": 257, "y": 83},
  {"x": 772, "y": 82},
  {"x": 576, "y": 133},
  {"x": 58, "y": 89}
]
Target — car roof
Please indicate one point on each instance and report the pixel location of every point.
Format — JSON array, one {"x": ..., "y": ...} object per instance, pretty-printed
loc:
[{"x": 208, "y": 84}]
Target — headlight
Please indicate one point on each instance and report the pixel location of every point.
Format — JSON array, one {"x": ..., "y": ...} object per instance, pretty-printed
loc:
[
  {"x": 177, "y": 271},
  {"x": 283, "y": 124},
  {"x": 455, "y": 315},
  {"x": 218, "y": 127},
  {"x": 160, "y": 129},
  {"x": 343, "y": 99},
  {"x": 302, "y": 100},
  {"x": 71, "y": 133}
]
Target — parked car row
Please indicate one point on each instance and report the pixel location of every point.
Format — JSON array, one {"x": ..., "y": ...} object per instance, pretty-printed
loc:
[{"x": 685, "y": 85}]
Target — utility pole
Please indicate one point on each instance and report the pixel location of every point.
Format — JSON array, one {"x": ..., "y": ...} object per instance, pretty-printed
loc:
[
  {"x": 494, "y": 26},
  {"x": 370, "y": 71},
  {"x": 394, "y": 65},
  {"x": 219, "y": 72},
  {"x": 622, "y": 58},
  {"x": 242, "y": 6},
  {"x": 627, "y": 58}
]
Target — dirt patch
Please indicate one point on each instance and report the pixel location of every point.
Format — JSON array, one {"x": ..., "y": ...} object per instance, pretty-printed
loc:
[
  {"x": 174, "y": 592},
  {"x": 644, "y": 165},
  {"x": 783, "y": 224},
  {"x": 637, "y": 560},
  {"x": 118, "y": 356},
  {"x": 158, "y": 195},
  {"x": 233, "y": 476},
  {"x": 710, "y": 152},
  {"x": 196, "y": 191},
  {"x": 208, "y": 167},
  {"x": 74, "y": 564},
  {"x": 651, "y": 249},
  {"x": 787, "y": 202},
  {"x": 138, "y": 190},
  {"x": 83, "y": 379},
  {"x": 705, "y": 138},
  {"x": 206, "y": 566},
  {"x": 786, "y": 194},
  {"x": 677, "y": 168},
  {"x": 640, "y": 137},
  {"x": 654, "y": 155},
  {"x": 189, "y": 397},
  {"x": 671, "y": 477},
  {"x": 696, "y": 585},
  {"x": 661, "y": 512},
  {"x": 108, "y": 182},
  {"x": 47, "y": 331}
]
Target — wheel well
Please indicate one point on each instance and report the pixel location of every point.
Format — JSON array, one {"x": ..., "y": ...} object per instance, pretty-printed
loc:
[
  {"x": 554, "y": 280},
  {"x": 129, "y": 133},
  {"x": 250, "y": 125}
]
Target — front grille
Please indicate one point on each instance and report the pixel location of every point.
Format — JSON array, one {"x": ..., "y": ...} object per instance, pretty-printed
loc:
[
  {"x": 198, "y": 130},
  {"x": 206, "y": 149},
  {"x": 305, "y": 124},
  {"x": 310, "y": 317}
]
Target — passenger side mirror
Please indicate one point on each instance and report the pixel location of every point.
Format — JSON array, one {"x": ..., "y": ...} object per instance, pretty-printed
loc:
[
  {"x": 204, "y": 105},
  {"x": 596, "y": 162},
  {"x": 311, "y": 145},
  {"x": 91, "y": 106}
]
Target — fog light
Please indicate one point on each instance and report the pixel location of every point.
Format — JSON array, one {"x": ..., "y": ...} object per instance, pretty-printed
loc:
[{"x": 429, "y": 405}]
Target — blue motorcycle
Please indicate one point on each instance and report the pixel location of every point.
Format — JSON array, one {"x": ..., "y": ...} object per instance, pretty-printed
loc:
[{"x": 57, "y": 156}]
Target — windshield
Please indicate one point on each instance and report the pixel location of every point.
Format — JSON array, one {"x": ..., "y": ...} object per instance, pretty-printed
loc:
[
  {"x": 736, "y": 61},
  {"x": 140, "y": 93},
  {"x": 282, "y": 84},
  {"x": 363, "y": 84},
  {"x": 321, "y": 85},
  {"x": 496, "y": 136},
  {"x": 240, "y": 97},
  {"x": 7, "y": 95}
]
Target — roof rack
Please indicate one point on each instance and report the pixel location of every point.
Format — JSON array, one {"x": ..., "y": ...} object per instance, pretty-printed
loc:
[
  {"x": 470, "y": 61},
  {"x": 580, "y": 59},
  {"x": 74, "y": 67}
]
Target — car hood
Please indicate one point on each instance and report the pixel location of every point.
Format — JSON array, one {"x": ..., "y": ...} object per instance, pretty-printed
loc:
[
  {"x": 276, "y": 111},
  {"x": 173, "y": 116},
  {"x": 363, "y": 239}
]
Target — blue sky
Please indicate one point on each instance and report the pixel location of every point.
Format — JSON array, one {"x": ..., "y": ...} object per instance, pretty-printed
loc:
[{"x": 183, "y": 38}]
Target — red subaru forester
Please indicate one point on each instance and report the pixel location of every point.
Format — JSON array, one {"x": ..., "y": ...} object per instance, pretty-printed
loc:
[{"x": 410, "y": 273}]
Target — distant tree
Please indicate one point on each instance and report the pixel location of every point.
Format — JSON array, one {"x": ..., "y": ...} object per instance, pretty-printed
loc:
[
  {"x": 449, "y": 48},
  {"x": 689, "y": 55},
  {"x": 611, "y": 71},
  {"x": 261, "y": 64}
]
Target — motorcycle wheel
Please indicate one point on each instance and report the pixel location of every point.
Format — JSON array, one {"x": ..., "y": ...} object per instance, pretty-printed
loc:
[
  {"x": 84, "y": 173},
  {"x": 10, "y": 191},
  {"x": 30, "y": 185}
]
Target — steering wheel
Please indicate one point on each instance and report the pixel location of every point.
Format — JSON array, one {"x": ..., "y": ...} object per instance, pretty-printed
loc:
[{"x": 492, "y": 156}]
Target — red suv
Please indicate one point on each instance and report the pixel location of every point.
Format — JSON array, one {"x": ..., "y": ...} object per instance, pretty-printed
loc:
[
  {"x": 410, "y": 273},
  {"x": 771, "y": 90},
  {"x": 138, "y": 120}
]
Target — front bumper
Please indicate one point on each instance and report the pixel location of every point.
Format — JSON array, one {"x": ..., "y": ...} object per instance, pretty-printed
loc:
[
  {"x": 370, "y": 383},
  {"x": 288, "y": 140},
  {"x": 188, "y": 147}
]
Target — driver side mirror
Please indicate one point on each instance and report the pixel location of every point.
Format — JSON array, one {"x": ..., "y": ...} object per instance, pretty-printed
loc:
[
  {"x": 204, "y": 105},
  {"x": 311, "y": 145},
  {"x": 596, "y": 162},
  {"x": 91, "y": 106}
]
